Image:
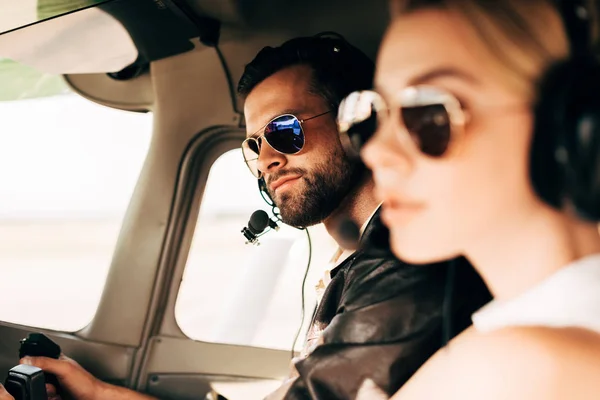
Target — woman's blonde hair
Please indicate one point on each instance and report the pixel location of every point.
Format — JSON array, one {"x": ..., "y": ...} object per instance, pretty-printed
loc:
[{"x": 523, "y": 36}]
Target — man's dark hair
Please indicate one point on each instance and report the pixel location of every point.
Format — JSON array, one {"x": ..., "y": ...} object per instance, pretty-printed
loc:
[{"x": 338, "y": 67}]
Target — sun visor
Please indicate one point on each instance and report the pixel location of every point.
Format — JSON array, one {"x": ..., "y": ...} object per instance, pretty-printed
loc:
[
  {"x": 105, "y": 38},
  {"x": 86, "y": 41}
]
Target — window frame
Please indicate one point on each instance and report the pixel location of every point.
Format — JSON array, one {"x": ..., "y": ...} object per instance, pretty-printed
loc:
[
  {"x": 169, "y": 345},
  {"x": 204, "y": 149},
  {"x": 96, "y": 346}
]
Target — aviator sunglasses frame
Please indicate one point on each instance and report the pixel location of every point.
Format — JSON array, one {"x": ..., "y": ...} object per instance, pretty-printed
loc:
[
  {"x": 361, "y": 106},
  {"x": 257, "y": 140}
]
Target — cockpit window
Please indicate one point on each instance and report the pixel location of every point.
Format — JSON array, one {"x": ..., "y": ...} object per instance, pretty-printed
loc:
[
  {"x": 68, "y": 170},
  {"x": 17, "y": 14},
  {"x": 20, "y": 82},
  {"x": 241, "y": 294}
]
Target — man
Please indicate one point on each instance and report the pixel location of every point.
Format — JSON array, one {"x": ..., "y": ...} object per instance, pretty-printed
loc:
[{"x": 377, "y": 318}]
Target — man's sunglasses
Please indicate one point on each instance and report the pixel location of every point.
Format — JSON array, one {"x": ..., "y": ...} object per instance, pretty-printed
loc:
[
  {"x": 283, "y": 133},
  {"x": 431, "y": 117}
]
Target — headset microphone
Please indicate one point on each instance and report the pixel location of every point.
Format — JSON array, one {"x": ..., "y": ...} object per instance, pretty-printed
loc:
[{"x": 259, "y": 220}]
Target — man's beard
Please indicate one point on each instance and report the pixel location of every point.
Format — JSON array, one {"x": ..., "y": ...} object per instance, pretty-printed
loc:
[{"x": 326, "y": 186}]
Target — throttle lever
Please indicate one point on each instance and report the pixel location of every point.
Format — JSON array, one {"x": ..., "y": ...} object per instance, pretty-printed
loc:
[
  {"x": 26, "y": 382},
  {"x": 39, "y": 345}
]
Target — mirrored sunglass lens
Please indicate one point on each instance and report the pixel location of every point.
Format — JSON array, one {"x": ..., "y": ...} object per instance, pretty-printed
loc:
[
  {"x": 429, "y": 126},
  {"x": 285, "y": 134},
  {"x": 252, "y": 147}
]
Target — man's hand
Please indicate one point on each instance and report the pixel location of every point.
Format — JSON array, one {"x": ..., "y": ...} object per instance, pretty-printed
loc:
[
  {"x": 4, "y": 394},
  {"x": 75, "y": 381},
  {"x": 78, "y": 384}
]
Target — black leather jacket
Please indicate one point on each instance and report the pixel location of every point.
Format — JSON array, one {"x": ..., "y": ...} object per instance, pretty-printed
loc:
[{"x": 384, "y": 318}]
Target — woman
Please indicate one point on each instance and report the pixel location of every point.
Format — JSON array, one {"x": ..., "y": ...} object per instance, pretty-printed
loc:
[{"x": 453, "y": 170}]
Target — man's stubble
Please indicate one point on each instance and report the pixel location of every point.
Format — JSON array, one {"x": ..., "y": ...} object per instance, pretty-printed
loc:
[{"x": 325, "y": 187}]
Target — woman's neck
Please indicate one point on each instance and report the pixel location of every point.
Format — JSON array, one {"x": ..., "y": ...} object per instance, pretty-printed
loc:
[{"x": 519, "y": 254}]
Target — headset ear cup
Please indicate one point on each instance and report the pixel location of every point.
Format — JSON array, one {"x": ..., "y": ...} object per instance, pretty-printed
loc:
[
  {"x": 547, "y": 174},
  {"x": 583, "y": 142},
  {"x": 565, "y": 158}
]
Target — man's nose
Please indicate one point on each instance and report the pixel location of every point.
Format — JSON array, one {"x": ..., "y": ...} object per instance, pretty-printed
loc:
[{"x": 270, "y": 160}]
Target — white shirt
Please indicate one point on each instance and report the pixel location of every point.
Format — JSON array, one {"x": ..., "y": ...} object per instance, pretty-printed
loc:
[{"x": 568, "y": 298}]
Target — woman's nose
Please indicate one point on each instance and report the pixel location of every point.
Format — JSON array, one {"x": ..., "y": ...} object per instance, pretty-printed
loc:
[{"x": 384, "y": 150}]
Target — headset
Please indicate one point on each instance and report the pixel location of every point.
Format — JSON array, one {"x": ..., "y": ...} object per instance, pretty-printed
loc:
[
  {"x": 565, "y": 150},
  {"x": 264, "y": 192}
]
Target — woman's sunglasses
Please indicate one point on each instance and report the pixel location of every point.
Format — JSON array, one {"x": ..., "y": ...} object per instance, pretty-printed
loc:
[
  {"x": 283, "y": 133},
  {"x": 431, "y": 117}
]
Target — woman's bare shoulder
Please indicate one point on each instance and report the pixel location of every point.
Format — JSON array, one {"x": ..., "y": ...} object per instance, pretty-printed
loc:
[{"x": 515, "y": 363}]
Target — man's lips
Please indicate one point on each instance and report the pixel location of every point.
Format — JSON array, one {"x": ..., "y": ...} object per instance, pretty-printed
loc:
[{"x": 283, "y": 180}]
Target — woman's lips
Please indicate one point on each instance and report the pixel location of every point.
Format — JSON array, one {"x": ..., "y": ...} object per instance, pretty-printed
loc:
[{"x": 400, "y": 213}]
